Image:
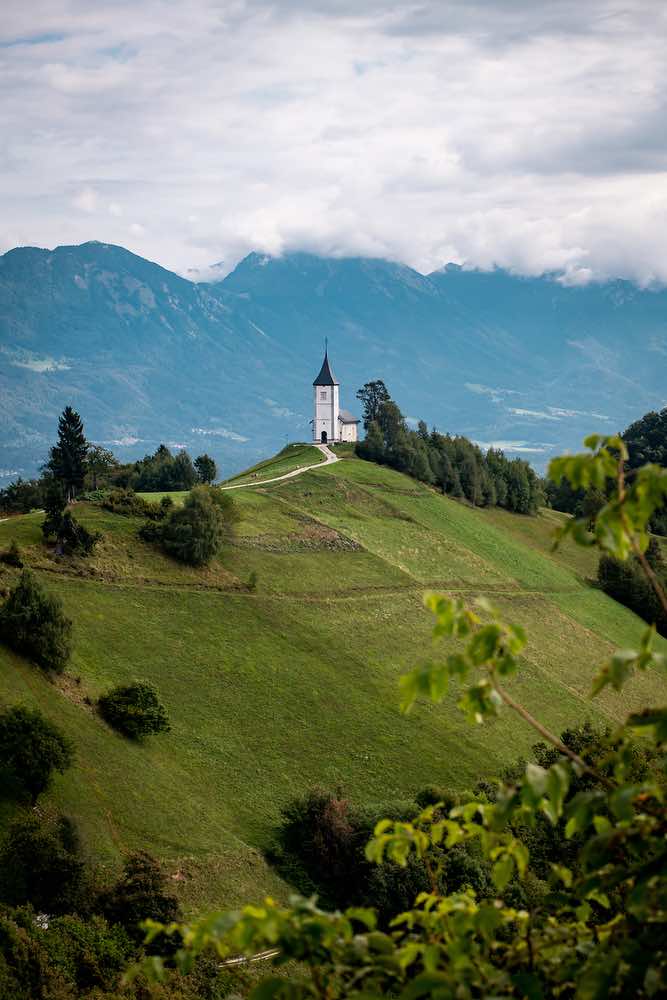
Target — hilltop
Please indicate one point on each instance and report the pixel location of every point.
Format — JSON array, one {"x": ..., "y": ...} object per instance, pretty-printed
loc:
[
  {"x": 295, "y": 684},
  {"x": 227, "y": 366}
]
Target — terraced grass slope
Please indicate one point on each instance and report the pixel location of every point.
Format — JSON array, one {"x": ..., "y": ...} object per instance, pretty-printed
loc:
[{"x": 295, "y": 684}]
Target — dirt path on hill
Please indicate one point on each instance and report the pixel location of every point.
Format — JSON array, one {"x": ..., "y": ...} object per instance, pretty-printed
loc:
[{"x": 329, "y": 459}]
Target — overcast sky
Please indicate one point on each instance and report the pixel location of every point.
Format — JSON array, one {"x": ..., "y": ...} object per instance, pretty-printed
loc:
[{"x": 528, "y": 135}]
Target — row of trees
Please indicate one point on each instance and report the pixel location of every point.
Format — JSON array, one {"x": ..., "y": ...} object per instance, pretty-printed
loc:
[
  {"x": 454, "y": 464},
  {"x": 163, "y": 471},
  {"x": 75, "y": 464}
]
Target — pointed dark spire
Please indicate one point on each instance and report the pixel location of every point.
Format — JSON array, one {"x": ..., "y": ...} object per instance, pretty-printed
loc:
[{"x": 326, "y": 376}]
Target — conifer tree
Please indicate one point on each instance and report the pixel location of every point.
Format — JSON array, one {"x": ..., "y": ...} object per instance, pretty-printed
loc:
[
  {"x": 206, "y": 469},
  {"x": 67, "y": 460}
]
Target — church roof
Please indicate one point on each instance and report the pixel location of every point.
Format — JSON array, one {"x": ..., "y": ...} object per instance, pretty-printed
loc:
[
  {"x": 326, "y": 376},
  {"x": 346, "y": 417}
]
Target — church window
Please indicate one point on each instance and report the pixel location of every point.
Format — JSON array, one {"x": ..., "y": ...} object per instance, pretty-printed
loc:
[{"x": 323, "y": 394}]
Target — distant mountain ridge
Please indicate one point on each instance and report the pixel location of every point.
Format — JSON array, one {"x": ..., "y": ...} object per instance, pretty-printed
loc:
[{"x": 226, "y": 367}]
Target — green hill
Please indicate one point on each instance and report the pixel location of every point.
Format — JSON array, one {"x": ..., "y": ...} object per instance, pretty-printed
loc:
[{"x": 295, "y": 684}]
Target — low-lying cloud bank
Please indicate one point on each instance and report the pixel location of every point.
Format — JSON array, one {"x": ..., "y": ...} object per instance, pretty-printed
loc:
[{"x": 525, "y": 135}]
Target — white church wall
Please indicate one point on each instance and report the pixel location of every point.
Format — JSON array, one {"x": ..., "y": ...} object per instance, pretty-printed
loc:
[{"x": 326, "y": 412}]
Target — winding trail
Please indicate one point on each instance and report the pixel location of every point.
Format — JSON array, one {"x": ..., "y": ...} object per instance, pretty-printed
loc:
[{"x": 329, "y": 459}]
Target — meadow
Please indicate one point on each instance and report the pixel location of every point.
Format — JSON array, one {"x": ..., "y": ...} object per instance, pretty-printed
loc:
[{"x": 295, "y": 683}]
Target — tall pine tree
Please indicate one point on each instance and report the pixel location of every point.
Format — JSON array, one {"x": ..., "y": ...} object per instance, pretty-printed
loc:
[{"x": 67, "y": 460}]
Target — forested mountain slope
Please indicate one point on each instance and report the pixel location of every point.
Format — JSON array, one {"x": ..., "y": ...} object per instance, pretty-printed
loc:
[{"x": 227, "y": 367}]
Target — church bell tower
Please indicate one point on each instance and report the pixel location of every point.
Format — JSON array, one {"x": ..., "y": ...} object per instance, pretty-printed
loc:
[{"x": 326, "y": 404}]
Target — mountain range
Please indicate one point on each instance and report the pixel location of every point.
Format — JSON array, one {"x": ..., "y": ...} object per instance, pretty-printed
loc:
[{"x": 148, "y": 356}]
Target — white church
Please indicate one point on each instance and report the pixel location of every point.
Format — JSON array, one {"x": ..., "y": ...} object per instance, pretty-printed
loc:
[{"x": 330, "y": 423}]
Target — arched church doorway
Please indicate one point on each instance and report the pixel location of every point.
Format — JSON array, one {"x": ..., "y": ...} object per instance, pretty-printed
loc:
[{"x": 324, "y": 439}]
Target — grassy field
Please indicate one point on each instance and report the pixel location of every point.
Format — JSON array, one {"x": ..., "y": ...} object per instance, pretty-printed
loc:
[{"x": 272, "y": 691}]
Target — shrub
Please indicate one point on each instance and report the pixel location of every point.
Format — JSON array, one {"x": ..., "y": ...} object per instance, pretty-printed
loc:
[
  {"x": 195, "y": 532},
  {"x": 33, "y": 623},
  {"x": 12, "y": 556},
  {"x": 253, "y": 579},
  {"x": 139, "y": 894},
  {"x": 73, "y": 539},
  {"x": 134, "y": 710},
  {"x": 31, "y": 750},
  {"x": 22, "y": 496},
  {"x": 89, "y": 953},
  {"x": 40, "y": 864},
  {"x": 25, "y": 971},
  {"x": 130, "y": 504},
  {"x": 151, "y": 532}
]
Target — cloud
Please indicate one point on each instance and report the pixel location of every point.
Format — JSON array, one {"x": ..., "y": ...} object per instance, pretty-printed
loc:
[
  {"x": 281, "y": 411},
  {"x": 222, "y": 432},
  {"x": 508, "y": 133},
  {"x": 559, "y": 411},
  {"x": 515, "y": 446},
  {"x": 86, "y": 200},
  {"x": 532, "y": 414},
  {"x": 124, "y": 442},
  {"x": 41, "y": 365},
  {"x": 496, "y": 395}
]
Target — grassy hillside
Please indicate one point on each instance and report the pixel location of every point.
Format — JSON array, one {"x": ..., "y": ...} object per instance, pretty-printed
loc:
[
  {"x": 293, "y": 456},
  {"x": 270, "y": 692}
]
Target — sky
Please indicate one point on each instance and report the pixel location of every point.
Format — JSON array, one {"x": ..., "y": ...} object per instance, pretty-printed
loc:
[{"x": 511, "y": 133}]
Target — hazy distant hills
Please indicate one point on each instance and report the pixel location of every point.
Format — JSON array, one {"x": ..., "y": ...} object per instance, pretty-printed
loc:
[{"x": 148, "y": 356}]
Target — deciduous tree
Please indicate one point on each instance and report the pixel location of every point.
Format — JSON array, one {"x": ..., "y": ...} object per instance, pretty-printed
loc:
[
  {"x": 31, "y": 750},
  {"x": 34, "y": 624},
  {"x": 372, "y": 395}
]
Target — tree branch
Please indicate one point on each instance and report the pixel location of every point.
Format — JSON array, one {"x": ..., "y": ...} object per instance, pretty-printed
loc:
[{"x": 551, "y": 738}]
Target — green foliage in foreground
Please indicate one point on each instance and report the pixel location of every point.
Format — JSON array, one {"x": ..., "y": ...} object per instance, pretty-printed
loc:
[
  {"x": 31, "y": 749},
  {"x": 33, "y": 623},
  {"x": 601, "y": 931},
  {"x": 134, "y": 710}
]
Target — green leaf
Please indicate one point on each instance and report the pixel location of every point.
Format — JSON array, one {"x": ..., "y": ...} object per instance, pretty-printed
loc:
[
  {"x": 502, "y": 871},
  {"x": 563, "y": 874},
  {"x": 557, "y": 785},
  {"x": 653, "y": 717}
]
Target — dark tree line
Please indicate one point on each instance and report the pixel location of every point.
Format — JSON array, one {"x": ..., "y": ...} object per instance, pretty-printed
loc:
[
  {"x": 646, "y": 441},
  {"x": 457, "y": 466},
  {"x": 75, "y": 465},
  {"x": 627, "y": 583}
]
